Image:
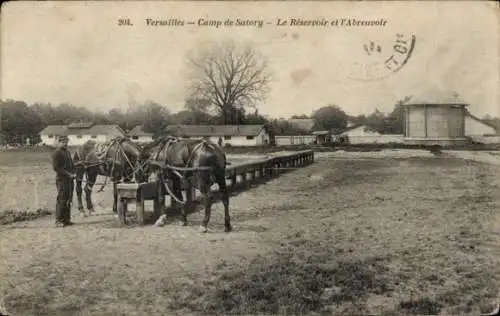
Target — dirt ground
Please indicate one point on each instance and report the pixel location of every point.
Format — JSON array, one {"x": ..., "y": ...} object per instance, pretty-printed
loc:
[{"x": 402, "y": 232}]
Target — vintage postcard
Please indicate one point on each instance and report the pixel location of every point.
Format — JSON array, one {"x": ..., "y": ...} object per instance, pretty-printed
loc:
[{"x": 249, "y": 157}]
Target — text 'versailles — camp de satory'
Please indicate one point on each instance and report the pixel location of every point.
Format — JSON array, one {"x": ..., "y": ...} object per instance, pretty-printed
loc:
[{"x": 206, "y": 22}]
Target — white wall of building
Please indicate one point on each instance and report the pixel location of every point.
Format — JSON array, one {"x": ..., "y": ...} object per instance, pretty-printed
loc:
[
  {"x": 416, "y": 121},
  {"x": 78, "y": 140},
  {"x": 240, "y": 141},
  {"x": 294, "y": 140},
  {"x": 360, "y": 131},
  {"x": 474, "y": 127},
  {"x": 49, "y": 140},
  {"x": 377, "y": 139},
  {"x": 437, "y": 121}
]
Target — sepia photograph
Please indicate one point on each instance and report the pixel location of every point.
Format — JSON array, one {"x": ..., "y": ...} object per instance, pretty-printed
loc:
[{"x": 249, "y": 158}]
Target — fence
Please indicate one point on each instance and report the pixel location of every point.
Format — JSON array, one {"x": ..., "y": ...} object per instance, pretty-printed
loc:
[{"x": 268, "y": 167}]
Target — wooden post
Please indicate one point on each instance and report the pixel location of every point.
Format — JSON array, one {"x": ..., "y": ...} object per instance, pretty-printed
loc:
[
  {"x": 243, "y": 177},
  {"x": 122, "y": 210},
  {"x": 139, "y": 204},
  {"x": 248, "y": 178},
  {"x": 233, "y": 180}
]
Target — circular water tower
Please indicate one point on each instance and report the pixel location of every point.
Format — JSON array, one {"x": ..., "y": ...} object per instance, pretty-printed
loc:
[{"x": 435, "y": 118}]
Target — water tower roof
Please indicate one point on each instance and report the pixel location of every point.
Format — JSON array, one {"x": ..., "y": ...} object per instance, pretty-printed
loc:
[{"x": 437, "y": 97}]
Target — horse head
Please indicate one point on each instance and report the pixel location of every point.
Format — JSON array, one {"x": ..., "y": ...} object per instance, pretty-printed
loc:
[
  {"x": 151, "y": 152},
  {"x": 126, "y": 156}
]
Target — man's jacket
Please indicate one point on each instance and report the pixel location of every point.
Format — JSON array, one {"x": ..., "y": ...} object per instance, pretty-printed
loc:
[{"x": 62, "y": 163}]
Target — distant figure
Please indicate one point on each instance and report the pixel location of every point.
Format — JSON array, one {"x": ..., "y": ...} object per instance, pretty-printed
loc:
[
  {"x": 220, "y": 141},
  {"x": 62, "y": 164}
]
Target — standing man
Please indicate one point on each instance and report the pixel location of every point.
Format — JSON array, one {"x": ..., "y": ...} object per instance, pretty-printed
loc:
[{"x": 63, "y": 166}]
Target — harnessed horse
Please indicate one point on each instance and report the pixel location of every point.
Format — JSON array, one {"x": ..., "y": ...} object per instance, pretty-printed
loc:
[
  {"x": 118, "y": 159},
  {"x": 175, "y": 159}
]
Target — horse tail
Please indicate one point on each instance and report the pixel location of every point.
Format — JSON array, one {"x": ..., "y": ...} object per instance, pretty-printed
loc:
[{"x": 217, "y": 150}]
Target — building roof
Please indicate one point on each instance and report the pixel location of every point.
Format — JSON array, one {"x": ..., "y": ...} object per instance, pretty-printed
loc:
[
  {"x": 81, "y": 129},
  {"x": 54, "y": 130},
  {"x": 80, "y": 125},
  {"x": 437, "y": 97},
  {"x": 305, "y": 124},
  {"x": 213, "y": 130},
  {"x": 139, "y": 131},
  {"x": 320, "y": 133}
]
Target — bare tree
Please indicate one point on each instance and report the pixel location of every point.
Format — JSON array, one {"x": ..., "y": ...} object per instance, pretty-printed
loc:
[{"x": 230, "y": 77}]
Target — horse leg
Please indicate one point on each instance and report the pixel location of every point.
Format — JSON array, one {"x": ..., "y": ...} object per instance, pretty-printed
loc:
[
  {"x": 178, "y": 193},
  {"x": 177, "y": 190},
  {"x": 115, "y": 198},
  {"x": 221, "y": 181},
  {"x": 91, "y": 178},
  {"x": 207, "y": 198},
  {"x": 80, "y": 171}
]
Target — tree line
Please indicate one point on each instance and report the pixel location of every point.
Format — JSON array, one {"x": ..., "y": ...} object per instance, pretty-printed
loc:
[
  {"x": 20, "y": 120},
  {"x": 227, "y": 81}
]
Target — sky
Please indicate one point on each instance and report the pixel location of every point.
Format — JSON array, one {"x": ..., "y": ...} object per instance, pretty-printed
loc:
[{"x": 75, "y": 52}]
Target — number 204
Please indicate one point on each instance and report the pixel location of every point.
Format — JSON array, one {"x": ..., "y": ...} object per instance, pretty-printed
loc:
[{"x": 124, "y": 22}]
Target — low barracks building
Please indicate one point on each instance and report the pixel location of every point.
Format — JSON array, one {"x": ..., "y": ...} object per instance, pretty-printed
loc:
[
  {"x": 79, "y": 133},
  {"x": 233, "y": 135}
]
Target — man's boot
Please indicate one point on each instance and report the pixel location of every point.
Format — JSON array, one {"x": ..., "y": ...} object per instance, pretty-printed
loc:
[
  {"x": 67, "y": 214},
  {"x": 60, "y": 220}
]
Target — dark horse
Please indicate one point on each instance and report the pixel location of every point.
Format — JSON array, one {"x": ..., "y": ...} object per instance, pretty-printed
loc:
[
  {"x": 117, "y": 159},
  {"x": 202, "y": 161}
]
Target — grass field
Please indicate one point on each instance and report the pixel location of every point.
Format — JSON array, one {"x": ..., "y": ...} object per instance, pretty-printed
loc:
[{"x": 354, "y": 233}]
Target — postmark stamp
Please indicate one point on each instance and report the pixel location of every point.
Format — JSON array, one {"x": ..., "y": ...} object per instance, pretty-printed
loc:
[{"x": 383, "y": 59}]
